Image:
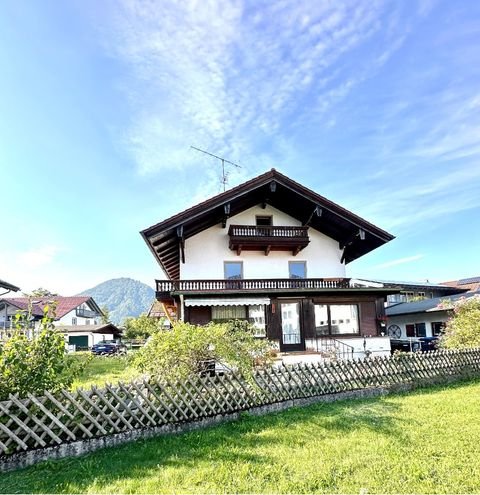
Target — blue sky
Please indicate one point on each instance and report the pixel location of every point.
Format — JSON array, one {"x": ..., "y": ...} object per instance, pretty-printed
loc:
[{"x": 373, "y": 104}]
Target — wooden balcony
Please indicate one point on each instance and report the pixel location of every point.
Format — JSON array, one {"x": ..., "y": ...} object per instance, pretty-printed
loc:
[
  {"x": 167, "y": 287},
  {"x": 267, "y": 238}
]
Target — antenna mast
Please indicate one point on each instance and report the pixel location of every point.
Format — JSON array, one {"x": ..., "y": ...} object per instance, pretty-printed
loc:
[{"x": 223, "y": 160}]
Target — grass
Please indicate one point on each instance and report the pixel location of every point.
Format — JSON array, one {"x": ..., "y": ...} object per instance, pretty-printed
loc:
[
  {"x": 101, "y": 370},
  {"x": 423, "y": 442}
]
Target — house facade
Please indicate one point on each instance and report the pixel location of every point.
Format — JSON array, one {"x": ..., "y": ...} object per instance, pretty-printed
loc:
[
  {"x": 78, "y": 316},
  {"x": 414, "y": 291},
  {"x": 273, "y": 252},
  {"x": 413, "y": 321}
]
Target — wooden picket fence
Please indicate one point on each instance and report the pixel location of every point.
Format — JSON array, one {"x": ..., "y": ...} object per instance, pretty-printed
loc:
[{"x": 37, "y": 422}]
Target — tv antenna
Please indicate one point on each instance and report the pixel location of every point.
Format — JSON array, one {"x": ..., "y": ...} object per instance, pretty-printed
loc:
[{"x": 223, "y": 160}]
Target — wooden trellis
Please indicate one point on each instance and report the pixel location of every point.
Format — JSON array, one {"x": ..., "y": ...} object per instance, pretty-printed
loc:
[{"x": 38, "y": 422}]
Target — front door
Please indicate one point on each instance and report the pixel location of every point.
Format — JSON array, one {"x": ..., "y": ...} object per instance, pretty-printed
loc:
[{"x": 292, "y": 338}]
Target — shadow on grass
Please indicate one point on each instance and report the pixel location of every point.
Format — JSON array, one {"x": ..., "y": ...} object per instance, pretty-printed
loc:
[{"x": 246, "y": 441}]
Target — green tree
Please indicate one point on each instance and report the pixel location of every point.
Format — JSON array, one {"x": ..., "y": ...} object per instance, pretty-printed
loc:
[
  {"x": 462, "y": 330},
  {"x": 105, "y": 315},
  {"x": 185, "y": 349},
  {"x": 40, "y": 292},
  {"x": 141, "y": 327},
  {"x": 33, "y": 364}
]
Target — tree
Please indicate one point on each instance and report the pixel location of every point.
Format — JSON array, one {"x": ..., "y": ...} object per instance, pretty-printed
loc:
[
  {"x": 105, "y": 315},
  {"x": 40, "y": 293},
  {"x": 186, "y": 349},
  {"x": 33, "y": 364},
  {"x": 462, "y": 330},
  {"x": 141, "y": 327}
]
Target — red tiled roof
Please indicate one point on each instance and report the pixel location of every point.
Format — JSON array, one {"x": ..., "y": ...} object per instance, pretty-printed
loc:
[{"x": 64, "y": 304}]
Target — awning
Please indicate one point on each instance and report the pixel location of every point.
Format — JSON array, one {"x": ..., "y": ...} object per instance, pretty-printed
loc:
[{"x": 228, "y": 301}]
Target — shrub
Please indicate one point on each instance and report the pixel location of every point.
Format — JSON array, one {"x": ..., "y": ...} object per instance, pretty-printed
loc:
[
  {"x": 462, "y": 330},
  {"x": 35, "y": 364},
  {"x": 185, "y": 349},
  {"x": 141, "y": 327}
]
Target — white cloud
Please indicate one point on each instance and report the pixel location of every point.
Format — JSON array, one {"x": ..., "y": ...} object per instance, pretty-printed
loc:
[
  {"x": 399, "y": 261},
  {"x": 38, "y": 257},
  {"x": 229, "y": 73}
]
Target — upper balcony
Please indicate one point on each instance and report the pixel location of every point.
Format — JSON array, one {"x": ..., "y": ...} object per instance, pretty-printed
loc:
[
  {"x": 260, "y": 285},
  {"x": 267, "y": 238}
]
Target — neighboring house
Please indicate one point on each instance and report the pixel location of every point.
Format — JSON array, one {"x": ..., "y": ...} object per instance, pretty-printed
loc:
[
  {"x": 426, "y": 318},
  {"x": 70, "y": 314},
  {"x": 412, "y": 291},
  {"x": 470, "y": 284},
  {"x": 162, "y": 311},
  {"x": 273, "y": 252},
  {"x": 8, "y": 287}
]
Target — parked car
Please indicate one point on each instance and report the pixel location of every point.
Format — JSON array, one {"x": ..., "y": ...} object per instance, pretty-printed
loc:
[
  {"x": 404, "y": 345},
  {"x": 428, "y": 343},
  {"x": 108, "y": 347},
  {"x": 419, "y": 344}
]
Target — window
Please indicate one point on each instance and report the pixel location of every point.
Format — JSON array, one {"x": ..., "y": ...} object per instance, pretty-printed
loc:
[
  {"x": 74, "y": 321},
  {"x": 336, "y": 319},
  {"x": 396, "y": 298},
  {"x": 256, "y": 316},
  {"x": 297, "y": 269},
  {"x": 233, "y": 270},
  {"x": 416, "y": 330},
  {"x": 264, "y": 220},
  {"x": 225, "y": 313},
  {"x": 437, "y": 328},
  {"x": 87, "y": 322}
]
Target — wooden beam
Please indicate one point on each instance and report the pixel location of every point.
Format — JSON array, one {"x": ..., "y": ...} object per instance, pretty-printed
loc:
[
  {"x": 317, "y": 211},
  {"x": 181, "y": 237},
  {"x": 226, "y": 211},
  {"x": 267, "y": 250},
  {"x": 360, "y": 234},
  {"x": 239, "y": 250}
]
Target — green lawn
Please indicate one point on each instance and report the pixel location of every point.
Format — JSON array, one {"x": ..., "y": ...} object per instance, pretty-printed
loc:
[
  {"x": 101, "y": 370},
  {"x": 423, "y": 442}
]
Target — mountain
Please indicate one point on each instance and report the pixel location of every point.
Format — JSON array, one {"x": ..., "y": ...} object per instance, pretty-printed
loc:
[{"x": 123, "y": 297}]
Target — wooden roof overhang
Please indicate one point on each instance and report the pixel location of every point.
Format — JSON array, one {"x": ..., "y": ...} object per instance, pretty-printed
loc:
[{"x": 355, "y": 235}]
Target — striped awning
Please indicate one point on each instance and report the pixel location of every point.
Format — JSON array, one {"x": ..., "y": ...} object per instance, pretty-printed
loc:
[{"x": 228, "y": 301}]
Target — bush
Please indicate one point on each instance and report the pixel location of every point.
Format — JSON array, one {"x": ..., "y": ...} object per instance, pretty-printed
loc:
[
  {"x": 462, "y": 330},
  {"x": 186, "y": 349},
  {"x": 141, "y": 327},
  {"x": 33, "y": 365}
]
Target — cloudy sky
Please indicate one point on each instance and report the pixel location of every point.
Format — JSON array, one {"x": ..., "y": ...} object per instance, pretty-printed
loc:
[{"x": 373, "y": 104}]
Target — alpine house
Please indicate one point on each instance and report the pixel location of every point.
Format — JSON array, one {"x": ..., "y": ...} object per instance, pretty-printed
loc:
[{"x": 273, "y": 252}]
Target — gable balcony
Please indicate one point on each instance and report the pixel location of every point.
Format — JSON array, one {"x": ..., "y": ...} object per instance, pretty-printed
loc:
[{"x": 267, "y": 238}]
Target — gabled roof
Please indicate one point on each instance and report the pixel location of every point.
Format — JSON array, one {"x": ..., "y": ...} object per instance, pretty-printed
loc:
[
  {"x": 428, "y": 305},
  {"x": 470, "y": 284},
  {"x": 271, "y": 188},
  {"x": 102, "y": 328},
  {"x": 64, "y": 304},
  {"x": 6, "y": 285}
]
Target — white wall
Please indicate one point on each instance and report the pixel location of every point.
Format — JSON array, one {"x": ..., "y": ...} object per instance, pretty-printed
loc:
[
  {"x": 427, "y": 318},
  {"x": 206, "y": 252},
  {"x": 67, "y": 319}
]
